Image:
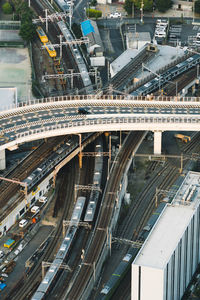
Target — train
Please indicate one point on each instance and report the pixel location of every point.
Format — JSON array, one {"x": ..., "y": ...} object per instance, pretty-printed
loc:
[
  {"x": 121, "y": 270},
  {"x": 47, "y": 44},
  {"x": 52, "y": 273},
  {"x": 94, "y": 196},
  {"x": 62, "y": 5},
  {"x": 167, "y": 76},
  {"x": 80, "y": 62},
  {"x": 54, "y": 158},
  {"x": 42, "y": 35},
  {"x": 50, "y": 49}
]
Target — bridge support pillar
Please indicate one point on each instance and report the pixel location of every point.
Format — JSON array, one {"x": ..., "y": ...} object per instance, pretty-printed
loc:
[
  {"x": 157, "y": 142},
  {"x": 2, "y": 159}
]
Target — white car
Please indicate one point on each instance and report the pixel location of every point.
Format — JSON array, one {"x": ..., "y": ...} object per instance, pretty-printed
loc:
[
  {"x": 23, "y": 223},
  {"x": 115, "y": 15}
]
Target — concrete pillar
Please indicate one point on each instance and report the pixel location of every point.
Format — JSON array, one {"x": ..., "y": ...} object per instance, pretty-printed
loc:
[
  {"x": 157, "y": 142},
  {"x": 2, "y": 159}
]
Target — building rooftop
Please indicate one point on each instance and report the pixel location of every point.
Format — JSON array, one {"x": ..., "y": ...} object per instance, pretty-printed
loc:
[
  {"x": 171, "y": 225},
  {"x": 8, "y": 96},
  {"x": 90, "y": 30},
  {"x": 87, "y": 27},
  {"x": 164, "y": 56}
]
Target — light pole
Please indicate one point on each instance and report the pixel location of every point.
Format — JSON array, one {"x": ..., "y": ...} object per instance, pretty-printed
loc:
[{"x": 141, "y": 12}]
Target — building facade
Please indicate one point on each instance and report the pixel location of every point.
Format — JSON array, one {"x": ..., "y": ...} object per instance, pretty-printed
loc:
[{"x": 169, "y": 257}]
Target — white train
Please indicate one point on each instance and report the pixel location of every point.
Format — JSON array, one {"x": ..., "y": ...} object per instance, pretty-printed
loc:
[
  {"x": 51, "y": 274},
  {"x": 94, "y": 196},
  {"x": 81, "y": 64}
]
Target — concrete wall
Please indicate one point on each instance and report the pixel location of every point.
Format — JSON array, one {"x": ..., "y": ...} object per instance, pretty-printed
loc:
[
  {"x": 14, "y": 215},
  {"x": 171, "y": 282}
]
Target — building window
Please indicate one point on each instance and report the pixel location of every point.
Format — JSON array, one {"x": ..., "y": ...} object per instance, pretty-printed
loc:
[
  {"x": 139, "y": 284},
  {"x": 172, "y": 275},
  {"x": 166, "y": 283}
]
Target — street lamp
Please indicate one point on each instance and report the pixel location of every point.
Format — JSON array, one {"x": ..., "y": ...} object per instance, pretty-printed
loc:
[{"x": 141, "y": 11}]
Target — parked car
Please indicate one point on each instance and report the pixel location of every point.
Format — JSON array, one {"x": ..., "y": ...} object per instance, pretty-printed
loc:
[
  {"x": 23, "y": 223},
  {"x": 43, "y": 199},
  {"x": 35, "y": 209},
  {"x": 115, "y": 15}
]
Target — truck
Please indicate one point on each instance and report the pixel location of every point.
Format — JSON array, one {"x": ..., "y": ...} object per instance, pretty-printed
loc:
[{"x": 182, "y": 137}]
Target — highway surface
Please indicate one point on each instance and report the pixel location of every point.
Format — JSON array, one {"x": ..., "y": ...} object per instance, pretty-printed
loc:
[{"x": 68, "y": 115}]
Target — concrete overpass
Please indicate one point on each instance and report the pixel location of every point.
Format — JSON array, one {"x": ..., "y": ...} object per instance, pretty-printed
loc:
[{"x": 55, "y": 116}]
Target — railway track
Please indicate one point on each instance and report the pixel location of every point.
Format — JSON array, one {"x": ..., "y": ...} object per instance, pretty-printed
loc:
[
  {"x": 53, "y": 33},
  {"x": 8, "y": 190},
  {"x": 179, "y": 83},
  {"x": 123, "y": 76},
  {"x": 104, "y": 218},
  {"x": 26, "y": 286},
  {"x": 137, "y": 219}
]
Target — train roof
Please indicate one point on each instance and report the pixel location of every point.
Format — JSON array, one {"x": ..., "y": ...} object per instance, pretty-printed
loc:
[{"x": 62, "y": 4}]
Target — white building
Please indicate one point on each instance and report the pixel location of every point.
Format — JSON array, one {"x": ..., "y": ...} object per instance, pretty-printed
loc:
[
  {"x": 169, "y": 257},
  {"x": 136, "y": 40},
  {"x": 95, "y": 47}
]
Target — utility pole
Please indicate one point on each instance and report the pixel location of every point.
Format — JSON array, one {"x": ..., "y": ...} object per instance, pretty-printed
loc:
[
  {"x": 46, "y": 19},
  {"x": 141, "y": 12}
]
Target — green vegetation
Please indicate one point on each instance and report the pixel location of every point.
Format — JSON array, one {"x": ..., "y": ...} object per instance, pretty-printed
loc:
[
  {"x": 93, "y": 3},
  {"x": 77, "y": 30},
  {"x": 25, "y": 14},
  {"x": 93, "y": 13},
  {"x": 129, "y": 5},
  {"x": 197, "y": 6},
  {"x": 163, "y": 5},
  {"x": 7, "y": 8}
]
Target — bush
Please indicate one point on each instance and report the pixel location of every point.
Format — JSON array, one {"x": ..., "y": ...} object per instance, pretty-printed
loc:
[
  {"x": 197, "y": 6},
  {"x": 93, "y": 13},
  {"x": 7, "y": 8}
]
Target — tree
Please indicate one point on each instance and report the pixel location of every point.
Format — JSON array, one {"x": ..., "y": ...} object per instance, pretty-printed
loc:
[
  {"x": 197, "y": 6},
  {"x": 163, "y": 5},
  {"x": 7, "y": 8},
  {"x": 148, "y": 4},
  {"x": 128, "y": 6},
  {"x": 131, "y": 4},
  {"x": 27, "y": 31}
]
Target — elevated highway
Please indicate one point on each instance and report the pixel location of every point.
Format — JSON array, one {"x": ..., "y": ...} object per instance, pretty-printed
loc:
[{"x": 49, "y": 117}]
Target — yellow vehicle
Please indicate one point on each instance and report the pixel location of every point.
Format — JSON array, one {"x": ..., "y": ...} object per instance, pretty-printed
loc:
[
  {"x": 50, "y": 49},
  {"x": 9, "y": 243},
  {"x": 42, "y": 35},
  {"x": 182, "y": 137}
]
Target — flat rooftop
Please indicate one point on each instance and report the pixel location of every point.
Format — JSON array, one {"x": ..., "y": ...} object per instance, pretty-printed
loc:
[
  {"x": 171, "y": 225},
  {"x": 15, "y": 71},
  {"x": 8, "y": 97},
  {"x": 164, "y": 56}
]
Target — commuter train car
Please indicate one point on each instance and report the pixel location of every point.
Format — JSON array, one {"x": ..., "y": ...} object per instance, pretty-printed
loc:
[
  {"x": 52, "y": 273},
  {"x": 60, "y": 153},
  {"x": 80, "y": 62},
  {"x": 168, "y": 75},
  {"x": 50, "y": 49},
  {"x": 62, "y": 5},
  {"x": 42, "y": 35},
  {"x": 94, "y": 196},
  {"x": 118, "y": 274}
]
